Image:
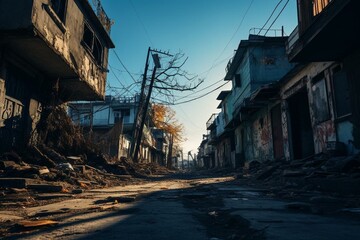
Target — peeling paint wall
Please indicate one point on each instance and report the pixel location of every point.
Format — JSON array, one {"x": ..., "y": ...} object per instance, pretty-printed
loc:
[
  {"x": 66, "y": 40},
  {"x": 323, "y": 124}
]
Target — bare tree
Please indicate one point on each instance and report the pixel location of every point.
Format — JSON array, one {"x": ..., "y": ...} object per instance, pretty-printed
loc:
[{"x": 173, "y": 78}]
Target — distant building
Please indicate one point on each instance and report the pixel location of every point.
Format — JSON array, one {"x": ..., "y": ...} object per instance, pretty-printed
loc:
[
  {"x": 244, "y": 132},
  {"x": 111, "y": 123},
  {"x": 51, "y": 52}
]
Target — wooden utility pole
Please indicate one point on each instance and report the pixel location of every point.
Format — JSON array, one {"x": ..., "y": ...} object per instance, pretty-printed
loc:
[{"x": 140, "y": 111}]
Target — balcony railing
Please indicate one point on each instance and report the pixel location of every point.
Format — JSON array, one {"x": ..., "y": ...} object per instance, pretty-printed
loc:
[
  {"x": 211, "y": 120},
  {"x": 293, "y": 38}
]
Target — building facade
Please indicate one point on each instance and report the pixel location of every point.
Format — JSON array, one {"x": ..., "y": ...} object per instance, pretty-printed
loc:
[{"x": 50, "y": 52}]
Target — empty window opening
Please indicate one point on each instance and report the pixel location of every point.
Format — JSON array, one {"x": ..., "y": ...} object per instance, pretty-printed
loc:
[
  {"x": 341, "y": 93},
  {"x": 320, "y": 99},
  {"x": 59, "y": 7},
  {"x": 92, "y": 43}
]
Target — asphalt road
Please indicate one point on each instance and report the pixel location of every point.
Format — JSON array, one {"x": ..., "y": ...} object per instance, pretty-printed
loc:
[{"x": 189, "y": 207}]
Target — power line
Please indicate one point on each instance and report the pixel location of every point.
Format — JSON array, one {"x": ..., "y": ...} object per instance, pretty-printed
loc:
[
  {"x": 277, "y": 5},
  {"x": 126, "y": 89},
  {"x": 178, "y": 103},
  {"x": 141, "y": 22},
  {"x": 122, "y": 64},
  {"x": 205, "y": 88},
  {"x": 237, "y": 29},
  {"x": 277, "y": 16}
]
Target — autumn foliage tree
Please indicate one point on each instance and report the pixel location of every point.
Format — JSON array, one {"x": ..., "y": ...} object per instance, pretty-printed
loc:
[{"x": 164, "y": 118}]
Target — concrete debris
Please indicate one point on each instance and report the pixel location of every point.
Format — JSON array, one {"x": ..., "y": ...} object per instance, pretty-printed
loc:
[
  {"x": 45, "y": 187},
  {"x": 37, "y": 223},
  {"x": 65, "y": 166},
  {"x": 13, "y": 182}
]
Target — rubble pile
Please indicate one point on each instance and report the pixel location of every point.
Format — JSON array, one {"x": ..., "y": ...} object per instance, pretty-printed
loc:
[
  {"x": 322, "y": 172},
  {"x": 62, "y": 160}
]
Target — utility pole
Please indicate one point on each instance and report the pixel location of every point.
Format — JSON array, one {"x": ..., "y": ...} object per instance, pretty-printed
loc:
[
  {"x": 140, "y": 110},
  {"x": 143, "y": 107}
]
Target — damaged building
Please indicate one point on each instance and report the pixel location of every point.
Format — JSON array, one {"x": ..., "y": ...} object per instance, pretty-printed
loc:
[
  {"x": 51, "y": 52},
  {"x": 245, "y": 133},
  {"x": 308, "y": 104},
  {"x": 111, "y": 124},
  {"x": 325, "y": 42}
]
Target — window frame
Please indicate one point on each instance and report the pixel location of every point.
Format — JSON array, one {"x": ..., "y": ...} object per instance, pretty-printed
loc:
[
  {"x": 321, "y": 77},
  {"x": 99, "y": 59}
]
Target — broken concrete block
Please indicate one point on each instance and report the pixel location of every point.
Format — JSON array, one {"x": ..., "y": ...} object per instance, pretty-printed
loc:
[
  {"x": 43, "y": 171},
  {"x": 80, "y": 168},
  {"x": 45, "y": 187},
  {"x": 13, "y": 182},
  {"x": 49, "y": 196},
  {"x": 74, "y": 159},
  {"x": 6, "y": 164},
  {"x": 77, "y": 191}
]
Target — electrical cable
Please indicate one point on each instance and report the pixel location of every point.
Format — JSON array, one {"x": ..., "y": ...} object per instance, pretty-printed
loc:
[
  {"x": 277, "y": 5},
  {"x": 277, "y": 17}
]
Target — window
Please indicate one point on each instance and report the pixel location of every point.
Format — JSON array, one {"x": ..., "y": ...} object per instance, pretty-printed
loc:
[
  {"x": 122, "y": 113},
  {"x": 320, "y": 100},
  {"x": 59, "y": 7},
  {"x": 319, "y": 5},
  {"x": 341, "y": 93},
  {"x": 92, "y": 44},
  {"x": 237, "y": 80}
]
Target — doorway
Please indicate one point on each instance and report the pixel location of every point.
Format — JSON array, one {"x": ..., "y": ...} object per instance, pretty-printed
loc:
[{"x": 302, "y": 138}]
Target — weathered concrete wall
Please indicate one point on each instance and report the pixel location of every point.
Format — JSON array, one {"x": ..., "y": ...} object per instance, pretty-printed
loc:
[
  {"x": 323, "y": 131},
  {"x": 268, "y": 64},
  {"x": 262, "y": 136},
  {"x": 67, "y": 42},
  {"x": 223, "y": 153},
  {"x": 256, "y": 144},
  {"x": 239, "y": 93}
]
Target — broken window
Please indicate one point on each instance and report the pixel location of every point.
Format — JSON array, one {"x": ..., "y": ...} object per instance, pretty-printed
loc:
[
  {"x": 320, "y": 99},
  {"x": 341, "y": 93},
  {"x": 92, "y": 44},
  {"x": 59, "y": 7},
  {"x": 319, "y": 5}
]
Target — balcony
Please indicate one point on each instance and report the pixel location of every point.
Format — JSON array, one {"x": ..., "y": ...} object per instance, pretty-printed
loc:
[
  {"x": 328, "y": 33},
  {"x": 54, "y": 45},
  {"x": 211, "y": 124}
]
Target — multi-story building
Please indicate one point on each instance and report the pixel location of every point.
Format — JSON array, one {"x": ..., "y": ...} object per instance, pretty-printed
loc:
[
  {"x": 257, "y": 65},
  {"x": 111, "y": 123},
  {"x": 51, "y": 51},
  {"x": 326, "y": 42}
]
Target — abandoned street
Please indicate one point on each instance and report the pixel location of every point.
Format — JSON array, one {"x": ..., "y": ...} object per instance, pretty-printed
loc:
[
  {"x": 186, "y": 206},
  {"x": 180, "y": 120}
]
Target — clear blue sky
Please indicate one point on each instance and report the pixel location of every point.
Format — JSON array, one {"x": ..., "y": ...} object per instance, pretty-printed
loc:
[{"x": 207, "y": 31}]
